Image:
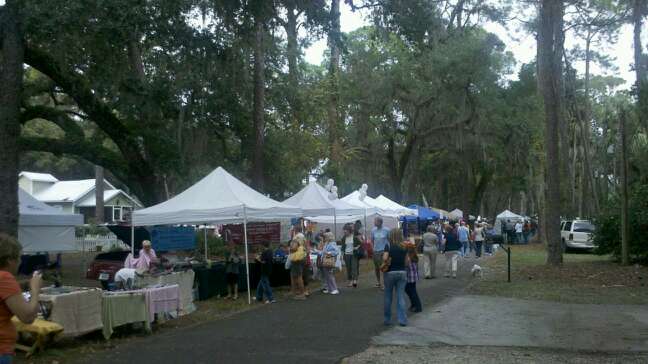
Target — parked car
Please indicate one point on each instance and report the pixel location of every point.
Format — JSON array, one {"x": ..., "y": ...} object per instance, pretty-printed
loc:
[
  {"x": 106, "y": 263},
  {"x": 577, "y": 234}
]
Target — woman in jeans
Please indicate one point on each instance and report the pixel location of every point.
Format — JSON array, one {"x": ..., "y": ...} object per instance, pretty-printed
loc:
[
  {"x": 330, "y": 250},
  {"x": 350, "y": 247},
  {"x": 395, "y": 277}
]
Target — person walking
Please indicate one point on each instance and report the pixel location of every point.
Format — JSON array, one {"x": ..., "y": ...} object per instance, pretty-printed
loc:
[
  {"x": 518, "y": 232},
  {"x": 395, "y": 265},
  {"x": 430, "y": 249},
  {"x": 232, "y": 271},
  {"x": 451, "y": 250},
  {"x": 329, "y": 253},
  {"x": 380, "y": 242},
  {"x": 351, "y": 246},
  {"x": 412, "y": 278},
  {"x": 526, "y": 230},
  {"x": 297, "y": 259},
  {"x": 13, "y": 302},
  {"x": 462, "y": 234},
  {"x": 263, "y": 288},
  {"x": 480, "y": 235}
]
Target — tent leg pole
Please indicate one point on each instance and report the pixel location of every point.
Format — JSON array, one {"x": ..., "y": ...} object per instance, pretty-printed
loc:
[
  {"x": 133, "y": 240},
  {"x": 335, "y": 224},
  {"x": 365, "y": 226},
  {"x": 206, "y": 243},
  {"x": 247, "y": 263}
]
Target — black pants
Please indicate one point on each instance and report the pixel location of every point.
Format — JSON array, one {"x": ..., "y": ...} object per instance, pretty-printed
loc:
[
  {"x": 478, "y": 248},
  {"x": 410, "y": 289}
]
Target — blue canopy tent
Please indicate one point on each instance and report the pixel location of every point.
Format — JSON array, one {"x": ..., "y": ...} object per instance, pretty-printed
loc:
[{"x": 424, "y": 215}]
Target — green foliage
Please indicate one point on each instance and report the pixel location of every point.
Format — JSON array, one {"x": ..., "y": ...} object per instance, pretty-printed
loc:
[
  {"x": 608, "y": 226},
  {"x": 216, "y": 246}
]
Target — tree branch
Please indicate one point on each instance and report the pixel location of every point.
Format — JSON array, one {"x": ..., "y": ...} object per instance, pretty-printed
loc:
[
  {"x": 92, "y": 152},
  {"x": 56, "y": 116}
]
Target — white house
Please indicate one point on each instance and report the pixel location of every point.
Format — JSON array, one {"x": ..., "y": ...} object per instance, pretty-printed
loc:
[{"x": 78, "y": 197}]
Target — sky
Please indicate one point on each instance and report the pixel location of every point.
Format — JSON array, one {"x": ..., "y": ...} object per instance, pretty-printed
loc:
[{"x": 521, "y": 44}]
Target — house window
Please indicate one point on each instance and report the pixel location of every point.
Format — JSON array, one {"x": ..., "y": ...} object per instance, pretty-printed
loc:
[{"x": 117, "y": 213}]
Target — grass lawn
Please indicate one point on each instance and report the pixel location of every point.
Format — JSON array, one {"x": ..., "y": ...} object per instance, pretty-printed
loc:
[{"x": 583, "y": 278}]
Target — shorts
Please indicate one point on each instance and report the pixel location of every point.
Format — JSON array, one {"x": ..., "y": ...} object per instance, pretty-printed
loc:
[
  {"x": 296, "y": 269},
  {"x": 232, "y": 278},
  {"x": 378, "y": 259}
]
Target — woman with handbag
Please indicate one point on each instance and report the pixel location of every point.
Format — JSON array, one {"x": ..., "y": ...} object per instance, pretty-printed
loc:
[
  {"x": 351, "y": 248},
  {"x": 395, "y": 262},
  {"x": 297, "y": 259},
  {"x": 329, "y": 255}
]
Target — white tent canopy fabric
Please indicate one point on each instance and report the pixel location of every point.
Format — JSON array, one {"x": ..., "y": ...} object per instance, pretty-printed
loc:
[
  {"x": 218, "y": 197},
  {"x": 313, "y": 200},
  {"x": 367, "y": 203},
  {"x": 506, "y": 214},
  {"x": 456, "y": 214},
  {"x": 43, "y": 228},
  {"x": 388, "y": 205}
]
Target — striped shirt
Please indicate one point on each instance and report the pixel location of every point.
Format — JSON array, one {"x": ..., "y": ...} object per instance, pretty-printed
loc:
[{"x": 412, "y": 272}]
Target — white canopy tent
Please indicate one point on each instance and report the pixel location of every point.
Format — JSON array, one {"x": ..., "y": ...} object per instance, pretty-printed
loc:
[
  {"x": 43, "y": 228},
  {"x": 390, "y": 206},
  {"x": 314, "y": 200},
  {"x": 389, "y": 221},
  {"x": 505, "y": 216},
  {"x": 217, "y": 198},
  {"x": 456, "y": 214}
]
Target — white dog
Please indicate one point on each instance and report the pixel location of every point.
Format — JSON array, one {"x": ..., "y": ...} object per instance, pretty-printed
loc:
[{"x": 476, "y": 271}]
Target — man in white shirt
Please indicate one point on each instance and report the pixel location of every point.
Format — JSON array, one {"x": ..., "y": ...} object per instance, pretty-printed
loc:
[{"x": 518, "y": 231}]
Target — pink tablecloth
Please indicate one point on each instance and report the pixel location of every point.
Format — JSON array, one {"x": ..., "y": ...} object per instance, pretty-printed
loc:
[{"x": 162, "y": 299}]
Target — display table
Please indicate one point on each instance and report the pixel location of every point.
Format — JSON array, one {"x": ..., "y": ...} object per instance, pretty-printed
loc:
[
  {"x": 120, "y": 308},
  {"x": 40, "y": 331},
  {"x": 211, "y": 281},
  {"x": 185, "y": 280},
  {"x": 77, "y": 310},
  {"x": 162, "y": 300}
]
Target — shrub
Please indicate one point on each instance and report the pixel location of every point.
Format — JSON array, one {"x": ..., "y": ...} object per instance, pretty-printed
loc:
[
  {"x": 216, "y": 246},
  {"x": 608, "y": 226}
]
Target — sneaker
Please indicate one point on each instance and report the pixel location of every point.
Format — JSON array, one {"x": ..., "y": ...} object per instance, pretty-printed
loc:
[
  {"x": 446, "y": 275},
  {"x": 402, "y": 324},
  {"x": 325, "y": 291},
  {"x": 335, "y": 292},
  {"x": 270, "y": 301},
  {"x": 454, "y": 276}
]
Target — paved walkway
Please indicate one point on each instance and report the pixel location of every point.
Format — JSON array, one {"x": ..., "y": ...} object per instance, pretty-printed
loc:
[
  {"x": 323, "y": 329},
  {"x": 493, "y": 321}
]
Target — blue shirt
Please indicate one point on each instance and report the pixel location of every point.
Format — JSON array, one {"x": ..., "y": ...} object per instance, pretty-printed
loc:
[
  {"x": 462, "y": 231},
  {"x": 380, "y": 238}
]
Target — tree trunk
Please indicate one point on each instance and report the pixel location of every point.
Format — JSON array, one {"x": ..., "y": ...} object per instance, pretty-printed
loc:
[
  {"x": 550, "y": 49},
  {"x": 641, "y": 84},
  {"x": 99, "y": 195},
  {"x": 625, "y": 228},
  {"x": 292, "y": 54},
  {"x": 333, "y": 103},
  {"x": 592, "y": 205},
  {"x": 11, "y": 74},
  {"x": 259, "y": 107}
]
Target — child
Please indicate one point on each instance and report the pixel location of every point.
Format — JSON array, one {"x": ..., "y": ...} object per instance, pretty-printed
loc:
[
  {"x": 412, "y": 277},
  {"x": 232, "y": 269},
  {"x": 265, "y": 259}
]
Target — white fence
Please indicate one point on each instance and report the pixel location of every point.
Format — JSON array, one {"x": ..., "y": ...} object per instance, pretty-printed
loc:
[{"x": 99, "y": 242}]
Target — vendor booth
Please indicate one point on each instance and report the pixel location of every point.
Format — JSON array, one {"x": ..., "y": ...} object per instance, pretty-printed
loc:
[
  {"x": 217, "y": 198},
  {"x": 43, "y": 228},
  {"x": 456, "y": 214},
  {"x": 506, "y": 217}
]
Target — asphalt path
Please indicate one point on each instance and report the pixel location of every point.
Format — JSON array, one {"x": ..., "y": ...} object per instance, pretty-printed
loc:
[{"x": 322, "y": 329}]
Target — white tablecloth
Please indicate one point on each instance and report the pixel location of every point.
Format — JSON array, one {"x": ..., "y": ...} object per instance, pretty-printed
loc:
[{"x": 79, "y": 312}]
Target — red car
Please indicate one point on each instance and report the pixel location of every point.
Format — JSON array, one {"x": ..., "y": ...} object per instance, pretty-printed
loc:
[{"x": 106, "y": 263}]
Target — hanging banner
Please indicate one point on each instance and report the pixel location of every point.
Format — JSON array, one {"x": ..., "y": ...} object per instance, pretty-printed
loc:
[
  {"x": 257, "y": 233},
  {"x": 173, "y": 238}
]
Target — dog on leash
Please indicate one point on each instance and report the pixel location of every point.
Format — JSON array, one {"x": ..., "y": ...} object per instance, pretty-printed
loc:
[{"x": 476, "y": 271}]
